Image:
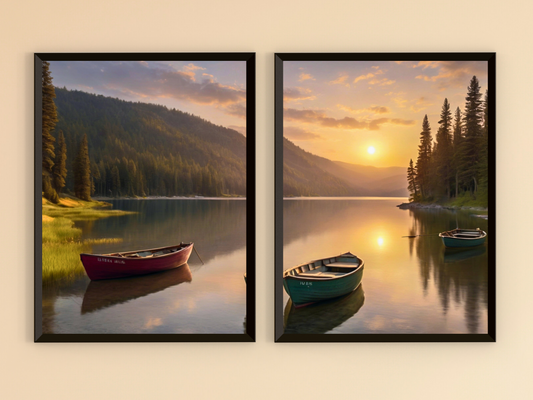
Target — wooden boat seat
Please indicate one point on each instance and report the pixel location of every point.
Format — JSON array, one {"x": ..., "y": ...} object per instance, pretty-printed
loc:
[
  {"x": 342, "y": 265},
  {"x": 322, "y": 275}
]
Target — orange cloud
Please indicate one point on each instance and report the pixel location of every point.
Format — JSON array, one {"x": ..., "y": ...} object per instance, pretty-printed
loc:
[
  {"x": 297, "y": 93},
  {"x": 451, "y": 73},
  {"x": 372, "y": 109},
  {"x": 319, "y": 117},
  {"x": 305, "y": 77},
  {"x": 341, "y": 80}
]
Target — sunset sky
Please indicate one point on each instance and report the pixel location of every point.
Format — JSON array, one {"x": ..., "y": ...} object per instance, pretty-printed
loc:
[
  {"x": 370, "y": 112},
  {"x": 213, "y": 90}
]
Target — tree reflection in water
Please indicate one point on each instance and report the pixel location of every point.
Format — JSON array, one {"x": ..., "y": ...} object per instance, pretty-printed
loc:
[{"x": 460, "y": 276}]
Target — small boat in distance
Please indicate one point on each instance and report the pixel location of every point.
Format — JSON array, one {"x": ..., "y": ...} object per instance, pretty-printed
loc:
[
  {"x": 132, "y": 263},
  {"x": 463, "y": 237},
  {"x": 323, "y": 279}
]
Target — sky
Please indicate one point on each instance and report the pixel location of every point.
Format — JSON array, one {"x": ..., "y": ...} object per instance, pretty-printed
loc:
[
  {"x": 213, "y": 90},
  {"x": 370, "y": 112}
]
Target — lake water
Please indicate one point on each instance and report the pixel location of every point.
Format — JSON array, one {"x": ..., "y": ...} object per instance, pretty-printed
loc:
[
  {"x": 194, "y": 298},
  {"x": 408, "y": 286}
]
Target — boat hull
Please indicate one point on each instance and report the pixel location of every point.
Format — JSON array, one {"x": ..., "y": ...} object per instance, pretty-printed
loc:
[
  {"x": 307, "y": 291},
  {"x": 101, "y": 266},
  {"x": 462, "y": 243}
]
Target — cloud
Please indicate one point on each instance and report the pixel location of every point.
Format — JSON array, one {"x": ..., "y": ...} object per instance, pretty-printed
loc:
[
  {"x": 192, "y": 67},
  {"x": 381, "y": 82},
  {"x": 341, "y": 80},
  {"x": 306, "y": 77},
  {"x": 297, "y": 93},
  {"x": 363, "y": 77},
  {"x": 238, "y": 128},
  {"x": 295, "y": 133},
  {"x": 237, "y": 110},
  {"x": 319, "y": 117},
  {"x": 371, "y": 75},
  {"x": 420, "y": 104},
  {"x": 372, "y": 109},
  {"x": 451, "y": 73},
  {"x": 400, "y": 101},
  {"x": 137, "y": 80}
]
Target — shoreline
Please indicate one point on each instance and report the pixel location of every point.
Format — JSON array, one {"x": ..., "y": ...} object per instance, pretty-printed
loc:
[
  {"x": 434, "y": 206},
  {"x": 100, "y": 198}
]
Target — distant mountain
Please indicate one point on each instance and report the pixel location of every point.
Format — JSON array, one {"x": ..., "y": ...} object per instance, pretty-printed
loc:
[
  {"x": 306, "y": 174},
  {"x": 146, "y": 149}
]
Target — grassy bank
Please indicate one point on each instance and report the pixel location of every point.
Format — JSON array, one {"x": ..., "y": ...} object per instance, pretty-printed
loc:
[
  {"x": 61, "y": 240},
  {"x": 467, "y": 200}
]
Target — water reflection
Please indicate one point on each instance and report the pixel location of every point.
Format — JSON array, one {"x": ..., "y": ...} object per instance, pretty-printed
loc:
[
  {"x": 105, "y": 293},
  {"x": 411, "y": 285},
  {"x": 324, "y": 316},
  {"x": 194, "y": 298},
  {"x": 461, "y": 275}
]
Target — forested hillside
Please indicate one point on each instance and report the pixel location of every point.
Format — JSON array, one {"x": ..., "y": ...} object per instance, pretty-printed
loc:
[
  {"x": 306, "y": 174},
  {"x": 138, "y": 149}
]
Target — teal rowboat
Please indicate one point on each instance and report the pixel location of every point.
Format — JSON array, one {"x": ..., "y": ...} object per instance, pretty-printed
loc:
[
  {"x": 463, "y": 237},
  {"x": 323, "y": 279}
]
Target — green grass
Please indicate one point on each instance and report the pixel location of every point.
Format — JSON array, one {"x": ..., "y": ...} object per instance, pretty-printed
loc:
[
  {"x": 81, "y": 214},
  {"x": 467, "y": 200},
  {"x": 61, "y": 240},
  {"x": 61, "y": 250}
]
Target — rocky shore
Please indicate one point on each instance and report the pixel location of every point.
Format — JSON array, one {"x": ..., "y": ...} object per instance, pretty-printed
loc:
[{"x": 414, "y": 205}]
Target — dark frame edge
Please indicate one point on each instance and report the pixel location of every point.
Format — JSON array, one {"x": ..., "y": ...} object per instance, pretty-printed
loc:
[
  {"x": 250, "y": 197},
  {"x": 37, "y": 213},
  {"x": 278, "y": 196}
]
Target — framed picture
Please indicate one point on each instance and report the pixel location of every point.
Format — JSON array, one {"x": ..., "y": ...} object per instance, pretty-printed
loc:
[
  {"x": 145, "y": 197},
  {"x": 385, "y": 197}
]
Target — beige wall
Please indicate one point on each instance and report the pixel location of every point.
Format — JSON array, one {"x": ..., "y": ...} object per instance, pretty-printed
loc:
[{"x": 266, "y": 370}]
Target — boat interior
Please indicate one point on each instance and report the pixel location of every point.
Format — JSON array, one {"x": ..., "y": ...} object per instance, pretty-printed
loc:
[
  {"x": 326, "y": 269},
  {"x": 464, "y": 233},
  {"x": 148, "y": 253}
]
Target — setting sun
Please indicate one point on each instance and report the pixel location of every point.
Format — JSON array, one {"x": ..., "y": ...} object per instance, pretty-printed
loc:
[{"x": 371, "y": 150}]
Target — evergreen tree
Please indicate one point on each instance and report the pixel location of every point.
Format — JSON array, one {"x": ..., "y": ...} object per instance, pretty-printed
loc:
[
  {"x": 49, "y": 119},
  {"x": 411, "y": 180},
  {"x": 115, "y": 181},
  {"x": 82, "y": 172},
  {"x": 444, "y": 151},
  {"x": 469, "y": 154},
  {"x": 423, "y": 161},
  {"x": 60, "y": 164},
  {"x": 457, "y": 139}
]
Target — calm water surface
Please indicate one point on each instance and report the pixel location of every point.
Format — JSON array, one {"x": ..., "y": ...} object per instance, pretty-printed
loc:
[
  {"x": 194, "y": 298},
  {"x": 409, "y": 285}
]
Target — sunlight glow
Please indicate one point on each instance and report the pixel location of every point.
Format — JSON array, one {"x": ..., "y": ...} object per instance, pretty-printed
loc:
[
  {"x": 371, "y": 150},
  {"x": 380, "y": 241}
]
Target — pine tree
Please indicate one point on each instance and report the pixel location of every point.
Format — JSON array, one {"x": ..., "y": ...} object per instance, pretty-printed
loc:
[
  {"x": 82, "y": 172},
  {"x": 443, "y": 151},
  {"x": 411, "y": 180},
  {"x": 115, "y": 181},
  {"x": 457, "y": 139},
  {"x": 60, "y": 164},
  {"x": 49, "y": 119},
  {"x": 423, "y": 161},
  {"x": 469, "y": 149}
]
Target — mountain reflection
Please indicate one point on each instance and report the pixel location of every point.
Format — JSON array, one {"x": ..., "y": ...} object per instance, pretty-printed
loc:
[{"x": 460, "y": 276}]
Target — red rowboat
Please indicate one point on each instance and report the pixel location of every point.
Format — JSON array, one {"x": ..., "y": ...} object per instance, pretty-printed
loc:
[{"x": 132, "y": 263}]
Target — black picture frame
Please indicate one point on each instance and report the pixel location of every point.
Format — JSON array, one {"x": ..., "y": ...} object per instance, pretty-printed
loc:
[
  {"x": 249, "y": 335},
  {"x": 278, "y": 330}
]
